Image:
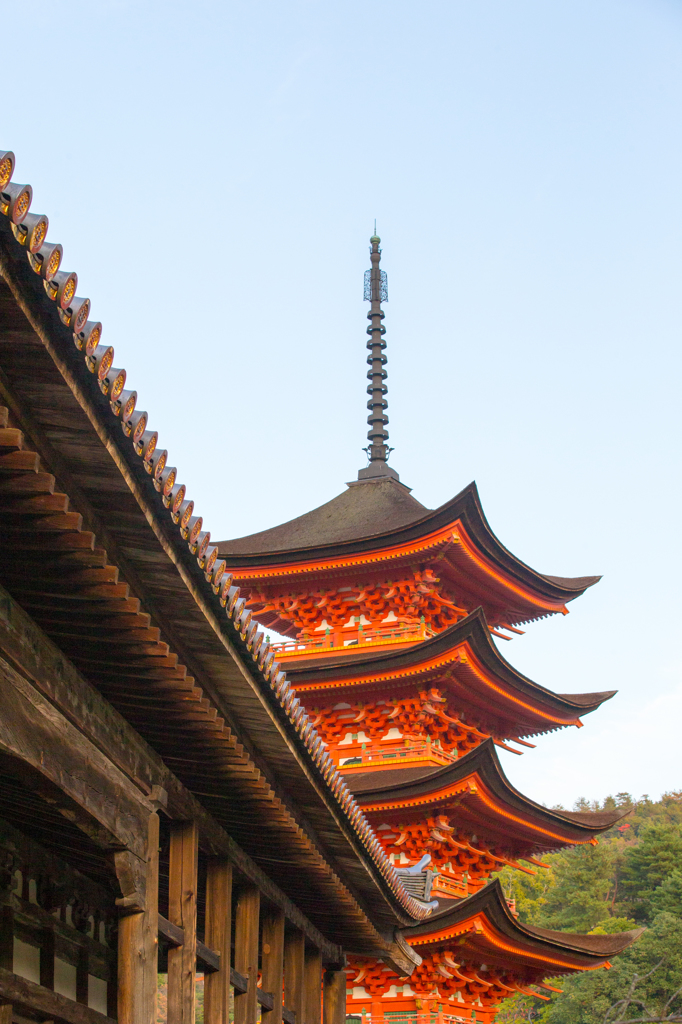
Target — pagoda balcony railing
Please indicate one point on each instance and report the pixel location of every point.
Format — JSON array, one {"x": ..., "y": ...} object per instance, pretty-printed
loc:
[
  {"x": 449, "y": 888},
  {"x": 378, "y": 756},
  {"x": 423, "y": 1016},
  {"x": 358, "y": 636}
]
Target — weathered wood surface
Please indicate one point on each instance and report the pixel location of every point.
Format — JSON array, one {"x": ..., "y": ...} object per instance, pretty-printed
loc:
[
  {"x": 29, "y": 650},
  {"x": 107, "y": 806},
  {"x": 312, "y": 987},
  {"x": 138, "y": 943},
  {"x": 247, "y": 914},
  {"x": 218, "y": 935},
  {"x": 272, "y": 964},
  {"x": 294, "y": 967},
  {"x": 28, "y": 996},
  {"x": 334, "y": 997},
  {"x": 182, "y": 911}
]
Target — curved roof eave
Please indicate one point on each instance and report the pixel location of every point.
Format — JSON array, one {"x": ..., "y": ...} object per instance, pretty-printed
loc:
[
  {"x": 472, "y": 629},
  {"x": 491, "y": 903},
  {"x": 483, "y": 762},
  {"x": 465, "y": 507}
]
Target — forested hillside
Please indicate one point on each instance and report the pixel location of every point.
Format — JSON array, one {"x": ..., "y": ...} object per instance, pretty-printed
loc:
[{"x": 632, "y": 878}]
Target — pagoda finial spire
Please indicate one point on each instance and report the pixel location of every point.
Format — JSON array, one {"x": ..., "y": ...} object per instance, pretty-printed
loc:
[{"x": 376, "y": 292}]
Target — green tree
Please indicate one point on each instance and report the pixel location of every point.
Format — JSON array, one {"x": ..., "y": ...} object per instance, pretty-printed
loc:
[
  {"x": 580, "y": 899},
  {"x": 647, "y": 864}
]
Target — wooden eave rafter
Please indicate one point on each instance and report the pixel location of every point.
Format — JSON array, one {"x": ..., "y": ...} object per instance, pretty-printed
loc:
[
  {"x": 129, "y": 554},
  {"x": 465, "y": 662},
  {"x": 486, "y": 803}
]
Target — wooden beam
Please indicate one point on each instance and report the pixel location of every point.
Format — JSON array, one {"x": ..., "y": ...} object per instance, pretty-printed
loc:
[
  {"x": 247, "y": 913},
  {"x": 272, "y": 965},
  {"x": 29, "y": 996},
  {"x": 312, "y": 987},
  {"x": 138, "y": 944},
  {"x": 108, "y": 807},
  {"x": 334, "y": 997},
  {"x": 218, "y": 937},
  {"x": 95, "y": 718},
  {"x": 294, "y": 963},
  {"x": 182, "y": 911}
]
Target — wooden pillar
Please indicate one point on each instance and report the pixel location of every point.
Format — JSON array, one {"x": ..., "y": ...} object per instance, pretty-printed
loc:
[
  {"x": 138, "y": 944},
  {"x": 5, "y": 1013},
  {"x": 377, "y": 1011},
  {"x": 182, "y": 911},
  {"x": 247, "y": 913},
  {"x": 218, "y": 938},
  {"x": 47, "y": 959},
  {"x": 334, "y": 1001},
  {"x": 7, "y": 938},
  {"x": 82, "y": 971},
  {"x": 294, "y": 958},
  {"x": 312, "y": 987},
  {"x": 272, "y": 965}
]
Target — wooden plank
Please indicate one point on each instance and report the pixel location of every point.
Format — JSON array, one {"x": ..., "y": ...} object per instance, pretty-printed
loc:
[
  {"x": 294, "y": 963},
  {"x": 247, "y": 913},
  {"x": 334, "y": 997},
  {"x": 29, "y": 996},
  {"x": 266, "y": 1000},
  {"x": 272, "y": 965},
  {"x": 288, "y": 1016},
  {"x": 182, "y": 911},
  {"x": 218, "y": 935},
  {"x": 138, "y": 944},
  {"x": 239, "y": 982},
  {"x": 312, "y": 987}
]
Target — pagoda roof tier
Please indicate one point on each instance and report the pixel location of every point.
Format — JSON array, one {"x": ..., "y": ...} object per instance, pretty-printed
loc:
[
  {"x": 488, "y": 806},
  {"x": 465, "y": 663},
  {"x": 485, "y": 931},
  {"x": 376, "y": 528}
]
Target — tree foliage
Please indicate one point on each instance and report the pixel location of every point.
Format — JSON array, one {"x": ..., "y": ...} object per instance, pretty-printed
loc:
[{"x": 631, "y": 878}]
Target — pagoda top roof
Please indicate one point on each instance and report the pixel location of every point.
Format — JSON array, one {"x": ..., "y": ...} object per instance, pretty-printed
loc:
[
  {"x": 492, "y": 687},
  {"x": 483, "y": 926},
  {"x": 486, "y": 800},
  {"x": 375, "y": 514}
]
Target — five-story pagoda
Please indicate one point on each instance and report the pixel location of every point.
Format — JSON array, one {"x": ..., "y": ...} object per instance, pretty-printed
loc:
[{"x": 391, "y": 608}]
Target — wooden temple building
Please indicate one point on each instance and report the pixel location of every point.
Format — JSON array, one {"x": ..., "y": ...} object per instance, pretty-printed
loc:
[
  {"x": 166, "y": 803},
  {"x": 391, "y": 609}
]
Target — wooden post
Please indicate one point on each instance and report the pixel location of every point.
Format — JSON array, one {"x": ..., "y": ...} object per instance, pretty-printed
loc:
[
  {"x": 182, "y": 911},
  {"x": 218, "y": 938},
  {"x": 5, "y": 1013},
  {"x": 272, "y": 965},
  {"x": 247, "y": 913},
  {"x": 138, "y": 944},
  {"x": 334, "y": 1002},
  {"x": 294, "y": 956},
  {"x": 82, "y": 971},
  {"x": 377, "y": 1011},
  {"x": 312, "y": 987},
  {"x": 47, "y": 959},
  {"x": 7, "y": 938}
]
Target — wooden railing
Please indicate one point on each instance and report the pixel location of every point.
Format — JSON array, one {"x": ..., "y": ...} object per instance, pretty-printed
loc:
[
  {"x": 358, "y": 637},
  {"x": 377, "y": 754}
]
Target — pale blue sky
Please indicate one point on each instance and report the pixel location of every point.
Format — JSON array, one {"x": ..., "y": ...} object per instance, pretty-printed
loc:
[{"x": 213, "y": 172}]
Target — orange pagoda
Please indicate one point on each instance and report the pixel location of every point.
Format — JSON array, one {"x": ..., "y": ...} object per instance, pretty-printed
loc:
[{"x": 391, "y": 609}]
